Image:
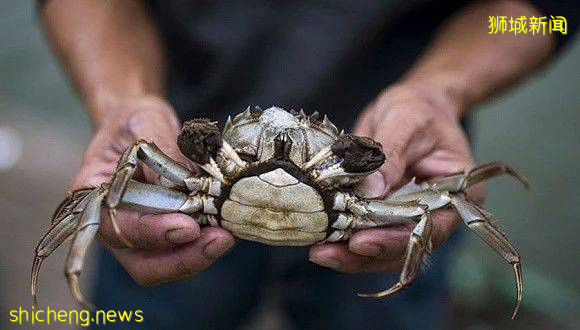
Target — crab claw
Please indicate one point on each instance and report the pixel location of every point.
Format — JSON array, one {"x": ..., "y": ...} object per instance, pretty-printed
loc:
[
  {"x": 347, "y": 161},
  {"x": 201, "y": 141}
]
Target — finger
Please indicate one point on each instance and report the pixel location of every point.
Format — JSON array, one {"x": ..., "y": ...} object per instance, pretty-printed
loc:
[
  {"x": 441, "y": 164},
  {"x": 150, "y": 267},
  {"x": 444, "y": 224},
  {"x": 365, "y": 125},
  {"x": 390, "y": 243},
  {"x": 160, "y": 126},
  {"x": 157, "y": 123},
  {"x": 338, "y": 257},
  {"x": 447, "y": 160},
  {"x": 387, "y": 244},
  {"x": 404, "y": 141},
  {"x": 98, "y": 163},
  {"x": 92, "y": 174},
  {"x": 150, "y": 231}
]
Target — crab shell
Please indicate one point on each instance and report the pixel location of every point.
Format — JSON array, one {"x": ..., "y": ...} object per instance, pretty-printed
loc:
[
  {"x": 275, "y": 208},
  {"x": 273, "y": 201},
  {"x": 254, "y": 131}
]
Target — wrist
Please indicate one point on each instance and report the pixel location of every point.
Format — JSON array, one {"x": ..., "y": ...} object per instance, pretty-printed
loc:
[
  {"x": 106, "y": 106},
  {"x": 427, "y": 98},
  {"x": 126, "y": 111}
]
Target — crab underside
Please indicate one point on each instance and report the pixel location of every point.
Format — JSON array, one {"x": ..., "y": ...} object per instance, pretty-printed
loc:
[{"x": 275, "y": 177}]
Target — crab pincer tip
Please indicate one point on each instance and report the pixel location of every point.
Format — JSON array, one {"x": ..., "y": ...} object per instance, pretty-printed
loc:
[
  {"x": 520, "y": 177},
  {"x": 34, "y": 279},
  {"x": 73, "y": 281},
  {"x": 519, "y": 288},
  {"x": 390, "y": 291}
]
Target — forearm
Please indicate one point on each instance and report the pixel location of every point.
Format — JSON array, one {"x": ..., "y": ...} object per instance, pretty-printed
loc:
[
  {"x": 110, "y": 49},
  {"x": 467, "y": 64}
]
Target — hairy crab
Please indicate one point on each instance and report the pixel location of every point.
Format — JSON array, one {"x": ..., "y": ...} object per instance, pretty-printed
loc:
[{"x": 275, "y": 177}]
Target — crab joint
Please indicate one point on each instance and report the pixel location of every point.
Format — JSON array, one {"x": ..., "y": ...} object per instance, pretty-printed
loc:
[
  {"x": 196, "y": 203},
  {"x": 208, "y": 185},
  {"x": 230, "y": 161}
]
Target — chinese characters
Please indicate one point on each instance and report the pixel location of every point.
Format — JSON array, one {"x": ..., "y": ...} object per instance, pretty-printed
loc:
[{"x": 523, "y": 25}]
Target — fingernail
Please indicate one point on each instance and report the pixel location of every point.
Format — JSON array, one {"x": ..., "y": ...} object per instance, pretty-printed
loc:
[
  {"x": 181, "y": 235},
  {"x": 216, "y": 248},
  {"x": 326, "y": 261},
  {"x": 368, "y": 249}
]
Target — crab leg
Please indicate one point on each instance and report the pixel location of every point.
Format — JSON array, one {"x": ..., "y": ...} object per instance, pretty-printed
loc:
[
  {"x": 85, "y": 232},
  {"x": 419, "y": 244},
  {"x": 69, "y": 204},
  {"x": 459, "y": 182},
  {"x": 145, "y": 197},
  {"x": 479, "y": 221},
  {"x": 150, "y": 155},
  {"x": 162, "y": 164},
  {"x": 435, "y": 193},
  {"x": 380, "y": 213},
  {"x": 80, "y": 214},
  {"x": 373, "y": 214},
  {"x": 424, "y": 197},
  {"x": 446, "y": 191},
  {"x": 357, "y": 213},
  {"x": 151, "y": 198},
  {"x": 362, "y": 214},
  {"x": 64, "y": 224}
]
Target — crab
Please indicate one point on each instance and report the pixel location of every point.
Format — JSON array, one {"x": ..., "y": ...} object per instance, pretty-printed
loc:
[{"x": 278, "y": 178}]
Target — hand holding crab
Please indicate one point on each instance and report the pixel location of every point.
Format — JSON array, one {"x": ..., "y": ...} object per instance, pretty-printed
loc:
[
  {"x": 422, "y": 139},
  {"x": 274, "y": 177},
  {"x": 154, "y": 257},
  {"x": 421, "y": 135}
]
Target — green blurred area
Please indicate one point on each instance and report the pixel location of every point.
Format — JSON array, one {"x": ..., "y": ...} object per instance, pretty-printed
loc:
[{"x": 535, "y": 128}]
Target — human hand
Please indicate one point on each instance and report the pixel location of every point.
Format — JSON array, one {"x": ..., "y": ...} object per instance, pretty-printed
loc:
[
  {"x": 421, "y": 136},
  {"x": 166, "y": 247}
]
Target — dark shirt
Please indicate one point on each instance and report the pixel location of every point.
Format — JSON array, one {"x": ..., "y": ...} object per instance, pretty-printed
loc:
[{"x": 328, "y": 56}]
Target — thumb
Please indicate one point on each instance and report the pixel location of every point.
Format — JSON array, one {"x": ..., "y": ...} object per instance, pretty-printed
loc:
[
  {"x": 406, "y": 138},
  {"x": 161, "y": 128},
  {"x": 365, "y": 124},
  {"x": 394, "y": 140},
  {"x": 159, "y": 125}
]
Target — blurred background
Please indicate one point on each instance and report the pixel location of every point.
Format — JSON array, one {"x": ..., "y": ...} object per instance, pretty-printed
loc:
[{"x": 535, "y": 128}]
